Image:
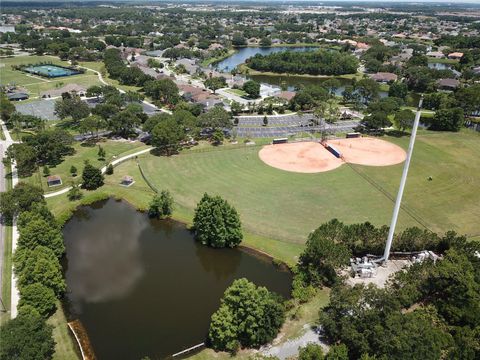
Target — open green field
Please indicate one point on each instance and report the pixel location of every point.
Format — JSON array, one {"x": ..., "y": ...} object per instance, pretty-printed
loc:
[
  {"x": 113, "y": 149},
  {"x": 36, "y": 84},
  {"x": 286, "y": 206}
]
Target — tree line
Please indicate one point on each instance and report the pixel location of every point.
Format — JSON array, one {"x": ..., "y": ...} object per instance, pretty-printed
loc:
[{"x": 319, "y": 62}]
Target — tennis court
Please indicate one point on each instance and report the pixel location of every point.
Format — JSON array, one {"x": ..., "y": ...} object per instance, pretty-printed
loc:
[{"x": 50, "y": 71}]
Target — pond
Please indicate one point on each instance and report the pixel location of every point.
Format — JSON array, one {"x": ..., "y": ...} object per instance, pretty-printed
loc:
[
  {"x": 144, "y": 287},
  {"x": 439, "y": 66},
  {"x": 244, "y": 53}
]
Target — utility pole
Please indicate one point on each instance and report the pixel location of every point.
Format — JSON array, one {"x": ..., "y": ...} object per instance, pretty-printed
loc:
[{"x": 403, "y": 181}]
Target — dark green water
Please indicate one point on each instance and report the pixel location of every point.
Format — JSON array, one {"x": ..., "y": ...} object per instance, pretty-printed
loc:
[{"x": 144, "y": 287}]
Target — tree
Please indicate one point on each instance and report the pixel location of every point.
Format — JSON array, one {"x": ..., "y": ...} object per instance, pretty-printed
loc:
[
  {"x": 368, "y": 89},
  {"x": 447, "y": 120},
  {"x": 398, "y": 89},
  {"x": 215, "y": 83},
  {"x": 21, "y": 198},
  {"x": 217, "y": 137},
  {"x": 238, "y": 39},
  {"x": 40, "y": 297},
  {"x": 167, "y": 135},
  {"x": 6, "y": 107},
  {"x": 376, "y": 121},
  {"x": 92, "y": 177},
  {"x": 39, "y": 266},
  {"x": 109, "y": 170},
  {"x": 236, "y": 107},
  {"x": 165, "y": 90},
  {"x": 46, "y": 171},
  {"x": 216, "y": 117},
  {"x": 252, "y": 88},
  {"x": 92, "y": 123},
  {"x": 51, "y": 145},
  {"x": 311, "y": 352},
  {"x": 404, "y": 119},
  {"x": 217, "y": 223},
  {"x": 123, "y": 123},
  {"x": 161, "y": 205},
  {"x": 38, "y": 231},
  {"x": 72, "y": 107},
  {"x": 74, "y": 193},
  {"x": 73, "y": 170},
  {"x": 337, "y": 352},
  {"x": 27, "y": 337},
  {"x": 101, "y": 153},
  {"x": 25, "y": 158},
  {"x": 265, "y": 120},
  {"x": 248, "y": 316}
]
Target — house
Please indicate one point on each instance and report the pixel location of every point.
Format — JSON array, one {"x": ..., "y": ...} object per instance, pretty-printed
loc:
[
  {"x": 215, "y": 46},
  {"x": 17, "y": 96},
  {"x": 189, "y": 65},
  {"x": 448, "y": 84},
  {"x": 435, "y": 54},
  {"x": 455, "y": 55},
  {"x": 127, "y": 181},
  {"x": 384, "y": 77},
  {"x": 72, "y": 89},
  {"x": 54, "y": 180},
  {"x": 286, "y": 95}
]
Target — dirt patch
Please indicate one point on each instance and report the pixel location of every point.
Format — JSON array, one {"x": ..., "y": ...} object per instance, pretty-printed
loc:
[
  {"x": 369, "y": 151},
  {"x": 303, "y": 157},
  {"x": 312, "y": 157}
]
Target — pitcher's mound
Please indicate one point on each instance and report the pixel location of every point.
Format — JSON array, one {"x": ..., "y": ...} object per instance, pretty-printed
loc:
[{"x": 312, "y": 157}]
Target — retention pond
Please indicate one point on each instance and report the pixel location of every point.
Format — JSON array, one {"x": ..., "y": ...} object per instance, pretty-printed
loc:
[{"x": 144, "y": 287}]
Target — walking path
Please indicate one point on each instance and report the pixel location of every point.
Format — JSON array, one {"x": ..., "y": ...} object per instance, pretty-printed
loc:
[
  {"x": 104, "y": 169},
  {"x": 14, "y": 291}
]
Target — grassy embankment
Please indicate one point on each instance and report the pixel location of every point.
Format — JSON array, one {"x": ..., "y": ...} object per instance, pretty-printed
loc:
[
  {"x": 37, "y": 84},
  {"x": 213, "y": 60}
]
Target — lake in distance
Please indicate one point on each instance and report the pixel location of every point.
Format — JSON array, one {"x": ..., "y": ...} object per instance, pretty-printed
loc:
[{"x": 144, "y": 287}]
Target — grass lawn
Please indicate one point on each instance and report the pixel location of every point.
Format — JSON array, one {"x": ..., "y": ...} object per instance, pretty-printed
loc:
[
  {"x": 212, "y": 60},
  {"x": 238, "y": 92},
  {"x": 442, "y": 61},
  {"x": 36, "y": 84},
  {"x": 65, "y": 347},
  {"x": 285, "y": 206},
  {"x": 2, "y": 135},
  {"x": 112, "y": 148}
]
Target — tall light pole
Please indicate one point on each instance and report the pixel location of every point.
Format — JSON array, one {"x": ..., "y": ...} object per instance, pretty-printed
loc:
[{"x": 403, "y": 181}]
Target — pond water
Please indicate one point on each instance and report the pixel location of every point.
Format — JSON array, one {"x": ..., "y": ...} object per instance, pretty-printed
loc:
[
  {"x": 144, "y": 287},
  {"x": 244, "y": 53}
]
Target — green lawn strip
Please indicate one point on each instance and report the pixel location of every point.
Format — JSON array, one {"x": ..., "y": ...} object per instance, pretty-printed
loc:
[
  {"x": 7, "y": 261},
  {"x": 2, "y": 135},
  {"x": 7, "y": 275},
  {"x": 442, "y": 61},
  {"x": 213, "y": 60},
  {"x": 113, "y": 148},
  {"x": 65, "y": 346},
  {"x": 238, "y": 92}
]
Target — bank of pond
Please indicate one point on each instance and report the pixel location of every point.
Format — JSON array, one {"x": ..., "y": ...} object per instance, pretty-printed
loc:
[{"x": 145, "y": 287}]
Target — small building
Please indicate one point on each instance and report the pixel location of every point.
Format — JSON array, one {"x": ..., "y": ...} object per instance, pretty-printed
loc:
[
  {"x": 286, "y": 95},
  {"x": 127, "y": 181},
  {"x": 448, "y": 84},
  {"x": 455, "y": 55},
  {"x": 435, "y": 54},
  {"x": 384, "y": 77},
  {"x": 54, "y": 180},
  {"x": 17, "y": 96}
]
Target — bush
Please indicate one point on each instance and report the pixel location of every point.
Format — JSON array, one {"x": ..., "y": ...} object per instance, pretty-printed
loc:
[
  {"x": 40, "y": 297},
  {"x": 216, "y": 223},
  {"x": 161, "y": 205},
  {"x": 109, "y": 170},
  {"x": 74, "y": 193}
]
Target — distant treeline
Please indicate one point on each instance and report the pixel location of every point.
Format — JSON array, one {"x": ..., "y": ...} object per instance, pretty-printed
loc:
[{"x": 321, "y": 62}]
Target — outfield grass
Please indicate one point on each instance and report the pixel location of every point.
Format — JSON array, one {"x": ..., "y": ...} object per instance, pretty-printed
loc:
[
  {"x": 286, "y": 206},
  {"x": 113, "y": 149},
  {"x": 37, "y": 84}
]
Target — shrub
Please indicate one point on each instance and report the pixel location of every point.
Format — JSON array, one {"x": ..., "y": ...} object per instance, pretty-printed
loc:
[{"x": 40, "y": 297}]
